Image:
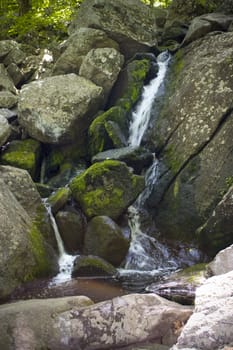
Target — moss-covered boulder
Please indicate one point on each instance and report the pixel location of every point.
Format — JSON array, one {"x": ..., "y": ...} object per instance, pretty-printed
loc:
[
  {"x": 99, "y": 133},
  {"x": 106, "y": 188},
  {"x": 130, "y": 82},
  {"x": 105, "y": 239},
  {"x": 58, "y": 199},
  {"x": 24, "y": 154},
  {"x": 136, "y": 157},
  {"x": 71, "y": 226},
  {"x": 23, "y": 251},
  {"x": 85, "y": 266}
]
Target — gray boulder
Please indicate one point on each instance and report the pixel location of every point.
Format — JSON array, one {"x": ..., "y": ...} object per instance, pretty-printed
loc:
[
  {"x": 23, "y": 255},
  {"x": 132, "y": 24},
  {"x": 102, "y": 67},
  {"x": 59, "y": 109},
  {"x": 77, "y": 46},
  {"x": 72, "y": 323},
  {"x": 5, "y": 81},
  {"x": 210, "y": 326},
  {"x": 7, "y": 99},
  {"x": 30, "y": 321},
  {"x": 105, "y": 239},
  {"x": 71, "y": 227},
  {"x": 5, "y": 130},
  {"x": 25, "y": 192},
  {"x": 204, "y": 24},
  {"x": 222, "y": 263},
  {"x": 6, "y": 46},
  {"x": 192, "y": 136}
]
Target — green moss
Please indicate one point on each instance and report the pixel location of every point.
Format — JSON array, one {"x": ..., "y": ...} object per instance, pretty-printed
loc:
[
  {"x": 102, "y": 189},
  {"x": 58, "y": 199},
  {"x": 176, "y": 188},
  {"x": 99, "y": 139},
  {"x": 42, "y": 265},
  {"x": 23, "y": 154},
  {"x": 171, "y": 159}
]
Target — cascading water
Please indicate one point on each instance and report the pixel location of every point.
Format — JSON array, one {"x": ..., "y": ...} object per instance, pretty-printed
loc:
[
  {"x": 141, "y": 115},
  {"x": 146, "y": 256},
  {"x": 65, "y": 261}
]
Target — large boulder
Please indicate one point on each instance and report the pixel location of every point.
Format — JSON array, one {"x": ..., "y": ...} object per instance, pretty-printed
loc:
[
  {"x": 71, "y": 226},
  {"x": 130, "y": 23},
  {"x": 28, "y": 331},
  {"x": 92, "y": 266},
  {"x": 72, "y": 323},
  {"x": 102, "y": 66},
  {"x": 204, "y": 24},
  {"x": 59, "y": 109},
  {"x": 5, "y": 130},
  {"x": 77, "y": 46},
  {"x": 25, "y": 191},
  {"x": 106, "y": 188},
  {"x": 105, "y": 239},
  {"x": 23, "y": 254},
  {"x": 192, "y": 136},
  {"x": 210, "y": 326},
  {"x": 222, "y": 263}
]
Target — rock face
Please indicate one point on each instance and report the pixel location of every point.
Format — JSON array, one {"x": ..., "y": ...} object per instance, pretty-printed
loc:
[
  {"x": 59, "y": 109},
  {"x": 217, "y": 231},
  {"x": 106, "y": 188},
  {"x": 193, "y": 137},
  {"x": 68, "y": 324},
  {"x": 131, "y": 24},
  {"x": 77, "y": 47},
  {"x": 104, "y": 238},
  {"x": 210, "y": 326}
]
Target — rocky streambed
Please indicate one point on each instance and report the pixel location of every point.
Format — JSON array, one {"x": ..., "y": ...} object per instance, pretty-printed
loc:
[{"x": 68, "y": 143}]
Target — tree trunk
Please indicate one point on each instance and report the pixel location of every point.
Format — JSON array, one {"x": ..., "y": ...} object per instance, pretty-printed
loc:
[{"x": 24, "y": 6}]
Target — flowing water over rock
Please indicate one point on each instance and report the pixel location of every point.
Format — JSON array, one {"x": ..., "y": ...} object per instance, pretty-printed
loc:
[
  {"x": 65, "y": 260},
  {"x": 148, "y": 258}
]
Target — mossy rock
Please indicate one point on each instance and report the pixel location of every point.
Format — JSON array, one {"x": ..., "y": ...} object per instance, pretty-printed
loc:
[
  {"x": 105, "y": 239},
  {"x": 91, "y": 265},
  {"x": 25, "y": 154},
  {"x": 58, "y": 199},
  {"x": 106, "y": 188},
  {"x": 130, "y": 83},
  {"x": 100, "y": 138}
]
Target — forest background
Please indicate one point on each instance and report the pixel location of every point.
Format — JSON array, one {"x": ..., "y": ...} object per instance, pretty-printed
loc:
[{"x": 41, "y": 22}]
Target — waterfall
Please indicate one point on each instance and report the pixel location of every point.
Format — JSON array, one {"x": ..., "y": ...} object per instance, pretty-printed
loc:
[
  {"x": 141, "y": 115},
  {"x": 65, "y": 261},
  {"x": 146, "y": 256}
]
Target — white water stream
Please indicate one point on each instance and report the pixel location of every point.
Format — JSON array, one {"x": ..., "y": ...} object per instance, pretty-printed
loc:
[
  {"x": 146, "y": 256},
  {"x": 65, "y": 261}
]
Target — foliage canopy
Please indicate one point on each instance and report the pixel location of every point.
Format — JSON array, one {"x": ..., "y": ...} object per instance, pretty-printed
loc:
[{"x": 41, "y": 21}]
